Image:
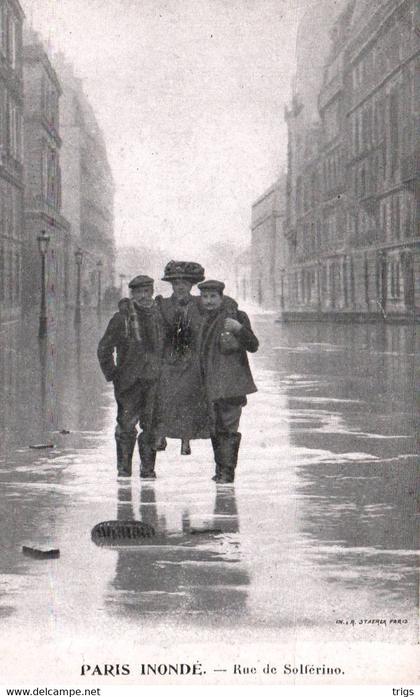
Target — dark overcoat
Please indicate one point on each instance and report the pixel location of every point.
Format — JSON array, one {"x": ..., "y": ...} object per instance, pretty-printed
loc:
[
  {"x": 181, "y": 410},
  {"x": 226, "y": 374},
  {"x": 137, "y": 357}
]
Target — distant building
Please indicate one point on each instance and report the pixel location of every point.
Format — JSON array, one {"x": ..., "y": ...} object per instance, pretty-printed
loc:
[
  {"x": 87, "y": 185},
  {"x": 266, "y": 228},
  {"x": 11, "y": 159},
  {"x": 381, "y": 61},
  {"x": 243, "y": 283},
  {"x": 42, "y": 145},
  {"x": 352, "y": 184}
]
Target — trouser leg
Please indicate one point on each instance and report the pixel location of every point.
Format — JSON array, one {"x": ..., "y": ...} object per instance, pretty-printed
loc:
[
  {"x": 125, "y": 443},
  {"x": 147, "y": 456},
  {"x": 228, "y": 415},
  {"x": 125, "y": 432},
  {"x": 226, "y": 440},
  {"x": 146, "y": 439},
  {"x": 229, "y": 446},
  {"x": 215, "y": 441}
]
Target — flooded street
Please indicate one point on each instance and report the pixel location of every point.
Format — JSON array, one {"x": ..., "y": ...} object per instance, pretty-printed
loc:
[{"x": 317, "y": 538}]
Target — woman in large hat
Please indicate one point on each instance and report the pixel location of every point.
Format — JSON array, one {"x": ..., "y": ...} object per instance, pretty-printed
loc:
[{"x": 181, "y": 410}]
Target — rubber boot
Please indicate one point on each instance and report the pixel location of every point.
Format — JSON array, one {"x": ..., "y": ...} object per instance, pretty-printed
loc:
[
  {"x": 229, "y": 446},
  {"x": 147, "y": 457},
  {"x": 125, "y": 448},
  {"x": 217, "y": 458}
]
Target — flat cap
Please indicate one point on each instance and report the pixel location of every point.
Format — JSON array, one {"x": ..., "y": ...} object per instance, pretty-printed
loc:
[
  {"x": 139, "y": 281},
  {"x": 219, "y": 286},
  {"x": 188, "y": 270}
]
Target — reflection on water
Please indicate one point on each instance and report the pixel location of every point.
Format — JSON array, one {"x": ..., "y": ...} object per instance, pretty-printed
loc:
[
  {"x": 182, "y": 571},
  {"x": 352, "y": 414},
  {"x": 326, "y": 492},
  {"x": 48, "y": 384}
]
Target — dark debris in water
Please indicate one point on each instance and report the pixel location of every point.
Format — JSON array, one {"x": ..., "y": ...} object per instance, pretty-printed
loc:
[
  {"x": 40, "y": 552},
  {"x": 116, "y": 531}
]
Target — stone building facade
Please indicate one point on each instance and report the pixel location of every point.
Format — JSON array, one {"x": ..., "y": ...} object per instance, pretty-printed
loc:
[
  {"x": 266, "y": 230},
  {"x": 42, "y": 143},
  {"x": 87, "y": 187},
  {"x": 11, "y": 158},
  {"x": 352, "y": 245}
]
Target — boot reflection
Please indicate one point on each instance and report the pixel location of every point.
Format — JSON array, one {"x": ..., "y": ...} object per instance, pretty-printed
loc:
[
  {"x": 226, "y": 510},
  {"x": 125, "y": 510},
  {"x": 148, "y": 509},
  {"x": 180, "y": 572}
]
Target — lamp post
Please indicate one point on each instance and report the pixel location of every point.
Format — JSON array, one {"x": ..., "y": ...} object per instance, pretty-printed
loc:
[
  {"x": 99, "y": 265},
  {"x": 122, "y": 279},
  {"x": 43, "y": 242},
  {"x": 78, "y": 255}
]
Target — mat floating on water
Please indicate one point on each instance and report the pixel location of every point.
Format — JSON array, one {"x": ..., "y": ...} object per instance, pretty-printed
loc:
[{"x": 121, "y": 531}]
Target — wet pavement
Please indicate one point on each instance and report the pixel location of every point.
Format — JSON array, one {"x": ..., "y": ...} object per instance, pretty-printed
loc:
[{"x": 316, "y": 539}]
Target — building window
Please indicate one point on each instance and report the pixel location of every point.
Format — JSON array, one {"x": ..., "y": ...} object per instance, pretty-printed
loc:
[
  {"x": 49, "y": 101},
  {"x": 395, "y": 217},
  {"x": 3, "y": 121},
  {"x": 339, "y": 281},
  {"x": 299, "y": 195},
  {"x": 324, "y": 284},
  {"x": 3, "y": 29},
  {"x": 318, "y": 235},
  {"x": 331, "y": 283},
  {"x": 394, "y": 129},
  {"x": 394, "y": 280},
  {"x": 44, "y": 173},
  {"x": 10, "y": 278},
  {"x": 357, "y": 134},
  {"x": 366, "y": 278},
  {"x": 17, "y": 277},
  {"x": 314, "y": 187},
  {"x": 408, "y": 222},
  {"x": 362, "y": 190},
  {"x": 352, "y": 282},
  {"x": 51, "y": 178},
  {"x": 2, "y": 273},
  {"x": 14, "y": 137},
  {"x": 384, "y": 219},
  {"x": 345, "y": 286},
  {"x": 12, "y": 42},
  {"x": 3, "y": 231}
]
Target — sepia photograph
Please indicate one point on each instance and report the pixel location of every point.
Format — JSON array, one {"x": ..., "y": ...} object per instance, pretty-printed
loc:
[{"x": 209, "y": 352}]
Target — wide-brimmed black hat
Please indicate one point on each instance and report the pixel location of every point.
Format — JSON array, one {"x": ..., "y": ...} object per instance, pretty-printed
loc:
[{"x": 188, "y": 270}]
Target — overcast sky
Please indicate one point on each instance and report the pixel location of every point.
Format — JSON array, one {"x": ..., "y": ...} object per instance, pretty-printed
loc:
[{"x": 190, "y": 96}]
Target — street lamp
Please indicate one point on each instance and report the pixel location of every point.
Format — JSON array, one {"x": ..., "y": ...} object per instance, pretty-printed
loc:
[
  {"x": 122, "y": 279},
  {"x": 43, "y": 242},
  {"x": 99, "y": 265},
  {"x": 78, "y": 255}
]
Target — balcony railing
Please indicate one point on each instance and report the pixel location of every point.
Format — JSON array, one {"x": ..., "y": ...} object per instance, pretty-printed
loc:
[{"x": 329, "y": 91}]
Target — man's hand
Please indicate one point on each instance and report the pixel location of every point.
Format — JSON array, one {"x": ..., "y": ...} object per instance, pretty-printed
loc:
[{"x": 232, "y": 325}]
